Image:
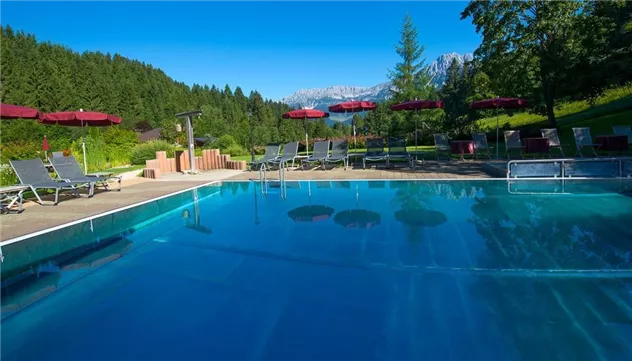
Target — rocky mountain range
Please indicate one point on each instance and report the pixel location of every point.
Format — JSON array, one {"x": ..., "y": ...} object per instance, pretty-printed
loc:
[{"x": 321, "y": 98}]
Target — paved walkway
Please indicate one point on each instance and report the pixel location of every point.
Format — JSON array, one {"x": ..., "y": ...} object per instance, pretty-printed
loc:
[{"x": 429, "y": 170}]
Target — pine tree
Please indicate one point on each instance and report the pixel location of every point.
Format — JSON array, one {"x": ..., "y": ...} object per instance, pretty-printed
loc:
[{"x": 410, "y": 76}]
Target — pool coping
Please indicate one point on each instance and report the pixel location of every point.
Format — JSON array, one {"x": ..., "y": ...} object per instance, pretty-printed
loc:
[{"x": 81, "y": 220}]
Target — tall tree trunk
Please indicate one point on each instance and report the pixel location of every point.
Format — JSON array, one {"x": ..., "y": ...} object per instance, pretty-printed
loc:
[{"x": 549, "y": 100}]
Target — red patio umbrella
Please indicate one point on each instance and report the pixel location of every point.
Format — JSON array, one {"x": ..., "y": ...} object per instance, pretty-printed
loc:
[
  {"x": 498, "y": 103},
  {"x": 10, "y": 111},
  {"x": 353, "y": 106},
  {"x": 417, "y": 105},
  {"x": 80, "y": 119},
  {"x": 305, "y": 114}
]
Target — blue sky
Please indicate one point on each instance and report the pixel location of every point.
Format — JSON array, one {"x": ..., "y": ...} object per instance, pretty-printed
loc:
[{"x": 275, "y": 48}]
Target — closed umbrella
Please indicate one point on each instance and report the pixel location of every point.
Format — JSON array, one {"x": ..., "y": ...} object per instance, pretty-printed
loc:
[
  {"x": 499, "y": 103},
  {"x": 45, "y": 147},
  {"x": 417, "y": 105},
  {"x": 305, "y": 114},
  {"x": 352, "y": 106},
  {"x": 80, "y": 119}
]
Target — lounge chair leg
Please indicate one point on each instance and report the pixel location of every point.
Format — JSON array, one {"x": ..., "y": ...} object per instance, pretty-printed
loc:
[
  {"x": 36, "y": 195},
  {"x": 56, "y": 196}
]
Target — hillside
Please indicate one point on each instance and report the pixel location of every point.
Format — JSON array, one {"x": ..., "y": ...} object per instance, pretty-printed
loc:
[{"x": 612, "y": 101}]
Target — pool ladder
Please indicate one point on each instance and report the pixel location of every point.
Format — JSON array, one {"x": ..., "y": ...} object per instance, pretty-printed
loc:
[{"x": 264, "y": 181}]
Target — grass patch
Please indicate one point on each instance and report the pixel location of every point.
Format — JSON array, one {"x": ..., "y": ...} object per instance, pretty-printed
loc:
[
  {"x": 612, "y": 101},
  {"x": 119, "y": 170}
]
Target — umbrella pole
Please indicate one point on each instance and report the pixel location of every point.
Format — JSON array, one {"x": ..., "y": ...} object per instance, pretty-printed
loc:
[
  {"x": 355, "y": 144},
  {"x": 497, "y": 133},
  {"x": 306, "y": 139},
  {"x": 83, "y": 145},
  {"x": 416, "y": 140}
]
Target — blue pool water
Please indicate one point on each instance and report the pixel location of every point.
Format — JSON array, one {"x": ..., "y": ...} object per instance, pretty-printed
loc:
[{"x": 391, "y": 270}]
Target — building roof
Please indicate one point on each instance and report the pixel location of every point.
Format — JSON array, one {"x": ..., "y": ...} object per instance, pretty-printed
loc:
[{"x": 153, "y": 134}]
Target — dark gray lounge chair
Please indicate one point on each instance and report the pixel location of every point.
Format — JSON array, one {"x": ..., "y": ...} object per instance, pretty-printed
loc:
[
  {"x": 480, "y": 145},
  {"x": 58, "y": 154},
  {"x": 374, "y": 152},
  {"x": 442, "y": 145},
  {"x": 272, "y": 152},
  {"x": 339, "y": 152},
  {"x": 554, "y": 139},
  {"x": 583, "y": 139},
  {"x": 33, "y": 173},
  {"x": 397, "y": 150},
  {"x": 513, "y": 142},
  {"x": 68, "y": 169},
  {"x": 290, "y": 152},
  {"x": 320, "y": 153}
]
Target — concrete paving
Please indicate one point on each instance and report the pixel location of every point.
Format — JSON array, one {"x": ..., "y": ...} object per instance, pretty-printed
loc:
[{"x": 428, "y": 170}]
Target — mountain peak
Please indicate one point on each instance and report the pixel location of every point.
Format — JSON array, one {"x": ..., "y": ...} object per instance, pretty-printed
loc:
[{"x": 321, "y": 98}]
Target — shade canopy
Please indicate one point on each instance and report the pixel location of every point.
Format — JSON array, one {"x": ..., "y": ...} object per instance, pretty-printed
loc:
[
  {"x": 79, "y": 119},
  {"x": 352, "y": 107},
  {"x": 505, "y": 103},
  {"x": 418, "y": 104},
  {"x": 10, "y": 111},
  {"x": 305, "y": 113}
]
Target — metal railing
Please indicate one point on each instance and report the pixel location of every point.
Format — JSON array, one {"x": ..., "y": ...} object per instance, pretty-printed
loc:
[
  {"x": 570, "y": 168},
  {"x": 264, "y": 181}
]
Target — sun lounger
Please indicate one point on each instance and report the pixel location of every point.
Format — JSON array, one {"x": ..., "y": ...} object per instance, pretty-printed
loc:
[
  {"x": 339, "y": 152},
  {"x": 33, "y": 173},
  {"x": 442, "y": 145},
  {"x": 397, "y": 150},
  {"x": 272, "y": 152},
  {"x": 374, "y": 152},
  {"x": 513, "y": 142},
  {"x": 480, "y": 145},
  {"x": 290, "y": 152},
  {"x": 554, "y": 139},
  {"x": 68, "y": 169},
  {"x": 58, "y": 154},
  {"x": 320, "y": 153},
  {"x": 583, "y": 139},
  {"x": 12, "y": 195}
]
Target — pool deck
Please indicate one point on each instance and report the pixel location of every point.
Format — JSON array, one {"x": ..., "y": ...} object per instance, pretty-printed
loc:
[{"x": 37, "y": 217}]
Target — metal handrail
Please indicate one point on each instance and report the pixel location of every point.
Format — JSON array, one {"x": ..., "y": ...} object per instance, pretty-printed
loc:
[{"x": 563, "y": 161}]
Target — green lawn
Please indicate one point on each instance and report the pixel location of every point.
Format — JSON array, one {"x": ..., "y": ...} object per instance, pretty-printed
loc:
[
  {"x": 119, "y": 170},
  {"x": 611, "y": 102}
]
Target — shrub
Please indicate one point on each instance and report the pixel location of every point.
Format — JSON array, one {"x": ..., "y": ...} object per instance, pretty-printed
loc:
[
  {"x": 228, "y": 145},
  {"x": 224, "y": 142},
  {"x": 235, "y": 150},
  {"x": 20, "y": 150},
  {"x": 145, "y": 151},
  {"x": 7, "y": 177}
]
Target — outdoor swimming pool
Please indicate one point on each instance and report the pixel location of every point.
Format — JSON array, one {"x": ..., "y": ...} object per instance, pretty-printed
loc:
[{"x": 348, "y": 270}]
